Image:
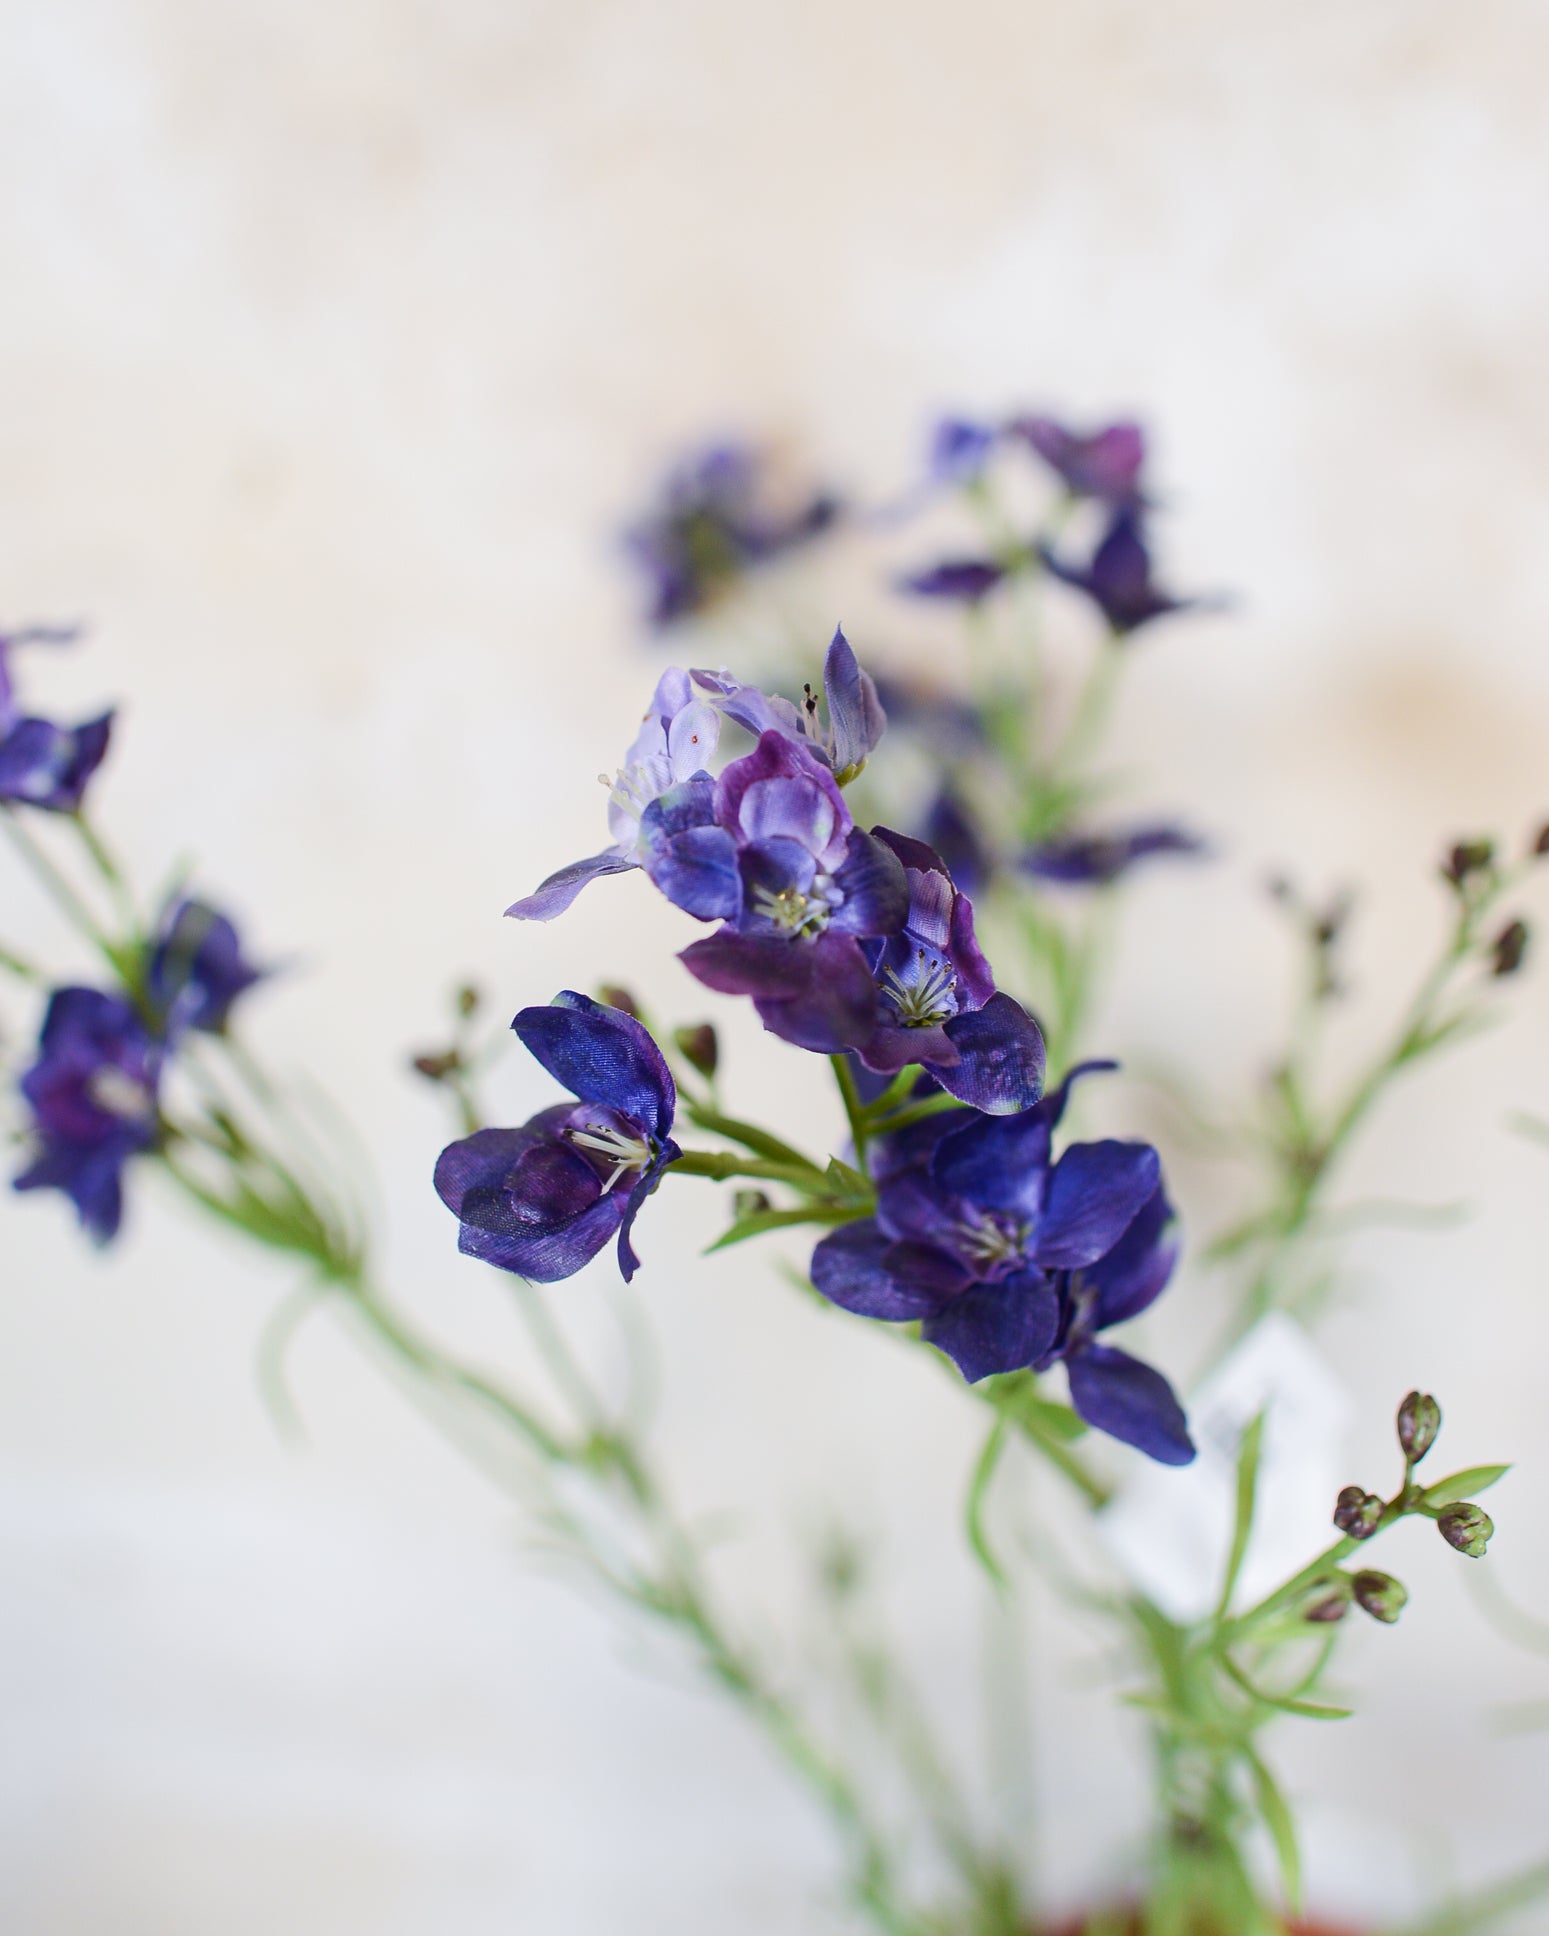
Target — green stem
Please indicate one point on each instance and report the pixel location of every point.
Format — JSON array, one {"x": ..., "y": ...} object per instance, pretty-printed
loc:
[
  {"x": 721, "y": 1164},
  {"x": 854, "y": 1108},
  {"x": 62, "y": 891},
  {"x": 750, "y": 1136},
  {"x": 916, "y": 1112},
  {"x": 109, "y": 870}
]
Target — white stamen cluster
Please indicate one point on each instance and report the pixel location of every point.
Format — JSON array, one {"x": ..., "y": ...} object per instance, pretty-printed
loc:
[
  {"x": 986, "y": 1239},
  {"x": 116, "y": 1093},
  {"x": 923, "y": 991},
  {"x": 796, "y": 913},
  {"x": 627, "y": 1154}
]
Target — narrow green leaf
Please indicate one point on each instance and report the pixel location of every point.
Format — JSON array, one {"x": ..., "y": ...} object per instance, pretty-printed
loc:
[
  {"x": 978, "y": 1488},
  {"x": 1467, "y": 1484},
  {"x": 1282, "y": 1830},
  {"x": 1242, "y": 1527},
  {"x": 850, "y": 1181},
  {"x": 1284, "y": 1703},
  {"x": 763, "y": 1220}
]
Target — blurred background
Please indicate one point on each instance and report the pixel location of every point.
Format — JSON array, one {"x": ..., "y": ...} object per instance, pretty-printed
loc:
[{"x": 337, "y": 344}]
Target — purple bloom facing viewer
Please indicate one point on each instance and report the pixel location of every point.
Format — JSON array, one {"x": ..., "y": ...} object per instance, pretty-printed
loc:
[
  {"x": 542, "y": 1200},
  {"x": 41, "y": 764},
  {"x": 677, "y": 739},
  {"x": 92, "y": 1091},
  {"x": 1011, "y": 1260},
  {"x": 1093, "y": 859},
  {"x": 714, "y": 522},
  {"x": 771, "y": 850},
  {"x": 936, "y": 1001},
  {"x": 196, "y": 969},
  {"x": 1118, "y": 577},
  {"x": 1105, "y": 465}
]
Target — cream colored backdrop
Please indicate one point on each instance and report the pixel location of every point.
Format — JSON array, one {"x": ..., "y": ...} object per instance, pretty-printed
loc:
[{"x": 334, "y": 343}]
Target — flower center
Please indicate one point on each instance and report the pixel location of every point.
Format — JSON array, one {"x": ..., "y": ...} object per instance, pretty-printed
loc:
[
  {"x": 987, "y": 1239},
  {"x": 796, "y": 913},
  {"x": 626, "y": 1154},
  {"x": 115, "y": 1093},
  {"x": 922, "y": 991},
  {"x": 632, "y": 788}
]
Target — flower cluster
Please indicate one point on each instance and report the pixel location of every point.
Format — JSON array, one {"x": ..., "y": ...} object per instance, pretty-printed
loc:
[
  {"x": 860, "y": 945},
  {"x": 715, "y": 520},
  {"x": 93, "y": 1090}
]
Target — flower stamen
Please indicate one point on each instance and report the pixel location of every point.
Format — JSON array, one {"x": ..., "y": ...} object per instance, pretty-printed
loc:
[{"x": 627, "y": 1154}]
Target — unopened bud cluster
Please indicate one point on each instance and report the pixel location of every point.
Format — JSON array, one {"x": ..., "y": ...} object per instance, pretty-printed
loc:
[{"x": 1467, "y": 1527}]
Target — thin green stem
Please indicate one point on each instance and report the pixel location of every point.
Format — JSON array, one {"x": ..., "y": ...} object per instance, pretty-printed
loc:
[
  {"x": 61, "y": 890},
  {"x": 854, "y": 1108},
  {"x": 750, "y": 1136},
  {"x": 721, "y": 1164}
]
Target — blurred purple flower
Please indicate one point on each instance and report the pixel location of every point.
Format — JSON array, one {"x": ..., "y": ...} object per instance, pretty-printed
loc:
[
  {"x": 42, "y": 764},
  {"x": 92, "y": 1093},
  {"x": 677, "y": 739},
  {"x": 1010, "y": 1260},
  {"x": 1095, "y": 859},
  {"x": 1105, "y": 465},
  {"x": 951, "y": 828},
  {"x": 713, "y": 522},
  {"x": 196, "y": 969},
  {"x": 964, "y": 581},
  {"x": 959, "y": 450},
  {"x": 1118, "y": 577},
  {"x": 542, "y": 1200}
]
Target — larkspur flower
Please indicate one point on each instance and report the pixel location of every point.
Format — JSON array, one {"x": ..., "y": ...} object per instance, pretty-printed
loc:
[
  {"x": 1118, "y": 576},
  {"x": 843, "y": 740},
  {"x": 43, "y": 764},
  {"x": 936, "y": 1000},
  {"x": 92, "y": 1094},
  {"x": 771, "y": 850},
  {"x": 1011, "y": 1260},
  {"x": 959, "y": 450},
  {"x": 676, "y": 741},
  {"x": 195, "y": 969},
  {"x": 714, "y": 522},
  {"x": 963, "y": 581},
  {"x": 1104, "y": 464},
  {"x": 542, "y": 1200},
  {"x": 1095, "y": 859}
]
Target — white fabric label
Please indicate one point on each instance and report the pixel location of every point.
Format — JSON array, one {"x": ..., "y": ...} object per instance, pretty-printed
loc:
[{"x": 1169, "y": 1528}]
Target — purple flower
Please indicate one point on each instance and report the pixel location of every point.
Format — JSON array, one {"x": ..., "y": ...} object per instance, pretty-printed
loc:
[
  {"x": 950, "y": 827},
  {"x": 714, "y": 521},
  {"x": 196, "y": 969},
  {"x": 948, "y": 722},
  {"x": 843, "y": 742},
  {"x": 959, "y": 450},
  {"x": 92, "y": 1092},
  {"x": 1010, "y": 1260},
  {"x": 936, "y": 1002},
  {"x": 963, "y": 580},
  {"x": 542, "y": 1200},
  {"x": 1105, "y": 465},
  {"x": 41, "y": 764},
  {"x": 771, "y": 850},
  {"x": 1095, "y": 859},
  {"x": 1118, "y": 577},
  {"x": 677, "y": 739}
]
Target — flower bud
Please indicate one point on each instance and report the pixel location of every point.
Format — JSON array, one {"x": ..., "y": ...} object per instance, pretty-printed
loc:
[
  {"x": 1419, "y": 1420},
  {"x": 436, "y": 1068},
  {"x": 749, "y": 1203},
  {"x": 1541, "y": 841},
  {"x": 1330, "y": 1602},
  {"x": 467, "y": 1000},
  {"x": 1380, "y": 1595},
  {"x": 1509, "y": 948},
  {"x": 1357, "y": 1513},
  {"x": 1467, "y": 1527},
  {"x": 698, "y": 1048},
  {"x": 1467, "y": 858},
  {"x": 621, "y": 999}
]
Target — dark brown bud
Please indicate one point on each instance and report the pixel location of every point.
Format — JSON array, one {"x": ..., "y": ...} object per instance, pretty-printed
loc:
[
  {"x": 1467, "y": 1527},
  {"x": 436, "y": 1068},
  {"x": 621, "y": 999},
  {"x": 1467, "y": 858},
  {"x": 698, "y": 1048},
  {"x": 1357, "y": 1513},
  {"x": 1509, "y": 948},
  {"x": 1331, "y": 1602},
  {"x": 1419, "y": 1420},
  {"x": 749, "y": 1203},
  {"x": 1380, "y": 1595},
  {"x": 467, "y": 1000},
  {"x": 1541, "y": 840}
]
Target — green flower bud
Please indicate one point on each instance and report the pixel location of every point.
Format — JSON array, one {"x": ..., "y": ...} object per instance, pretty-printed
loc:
[
  {"x": 1380, "y": 1595},
  {"x": 1467, "y": 1527},
  {"x": 437, "y": 1068},
  {"x": 1419, "y": 1420},
  {"x": 1467, "y": 858},
  {"x": 621, "y": 999},
  {"x": 698, "y": 1048},
  {"x": 1330, "y": 1601},
  {"x": 467, "y": 1000},
  {"x": 1356, "y": 1514},
  {"x": 749, "y": 1203}
]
